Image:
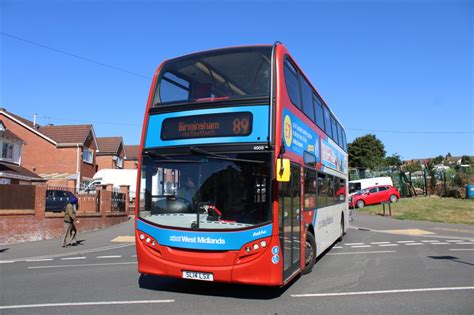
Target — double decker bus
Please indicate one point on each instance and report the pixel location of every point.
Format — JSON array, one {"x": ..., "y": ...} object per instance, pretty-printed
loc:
[{"x": 243, "y": 169}]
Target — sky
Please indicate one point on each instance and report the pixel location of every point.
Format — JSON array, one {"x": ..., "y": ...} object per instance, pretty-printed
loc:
[{"x": 402, "y": 70}]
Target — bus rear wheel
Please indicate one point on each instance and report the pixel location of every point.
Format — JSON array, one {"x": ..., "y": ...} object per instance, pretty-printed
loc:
[
  {"x": 341, "y": 235},
  {"x": 310, "y": 253}
]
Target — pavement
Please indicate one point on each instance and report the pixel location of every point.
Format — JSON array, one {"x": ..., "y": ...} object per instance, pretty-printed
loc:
[{"x": 88, "y": 241}]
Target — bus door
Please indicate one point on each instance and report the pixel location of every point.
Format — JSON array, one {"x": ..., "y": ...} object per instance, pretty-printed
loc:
[{"x": 289, "y": 221}]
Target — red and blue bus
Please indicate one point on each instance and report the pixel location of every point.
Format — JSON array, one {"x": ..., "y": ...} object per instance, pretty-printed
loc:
[{"x": 243, "y": 169}]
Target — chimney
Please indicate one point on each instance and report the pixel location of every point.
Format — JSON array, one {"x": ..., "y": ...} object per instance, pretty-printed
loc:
[{"x": 34, "y": 120}]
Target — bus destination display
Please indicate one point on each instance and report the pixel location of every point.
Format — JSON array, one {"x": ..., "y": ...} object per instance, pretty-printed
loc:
[{"x": 204, "y": 126}]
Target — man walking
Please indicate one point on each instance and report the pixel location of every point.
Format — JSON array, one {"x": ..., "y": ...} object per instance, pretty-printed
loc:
[{"x": 69, "y": 227}]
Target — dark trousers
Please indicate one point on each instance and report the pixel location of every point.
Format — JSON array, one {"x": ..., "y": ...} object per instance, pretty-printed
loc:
[{"x": 69, "y": 231}]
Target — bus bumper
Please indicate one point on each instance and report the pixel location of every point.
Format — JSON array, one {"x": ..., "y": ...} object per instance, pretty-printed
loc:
[{"x": 259, "y": 271}]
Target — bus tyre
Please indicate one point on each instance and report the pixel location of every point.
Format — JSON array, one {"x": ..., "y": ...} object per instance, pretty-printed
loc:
[
  {"x": 310, "y": 253},
  {"x": 341, "y": 232},
  {"x": 393, "y": 198},
  {"x": 360, "y": 204}
]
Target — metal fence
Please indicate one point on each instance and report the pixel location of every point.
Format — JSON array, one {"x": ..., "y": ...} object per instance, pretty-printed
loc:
[
  {"x": 16, "y": 197},
  {"x": 447, "y": 182},
  {"x": 118, "y": 201},
  {"x": 57, "y": 198}
]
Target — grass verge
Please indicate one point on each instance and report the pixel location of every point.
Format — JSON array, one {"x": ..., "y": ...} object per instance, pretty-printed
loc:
[{"x": 434, "y": 209}]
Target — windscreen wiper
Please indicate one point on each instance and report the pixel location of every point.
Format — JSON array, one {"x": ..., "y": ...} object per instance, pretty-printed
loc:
[
  {"x": 215, "y": 156},
  {"x": 167, "y": 159},
  {"x": 155, "y": 155}
]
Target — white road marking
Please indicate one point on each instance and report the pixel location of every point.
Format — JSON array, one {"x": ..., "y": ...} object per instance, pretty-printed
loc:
[
  {"x": 439, "y": 243},
  {"x": 359, "y": 246},
  {"x": 106, "y": 257},
  {"x": 414, "y": 244},
  {"x": 133, "y": 256},
  {"x": 461, "y": 249},
  {"x": 388, "y": 245},
  {"x": 92, "y": 250},
  {"x": 430, "y": 241},
  {"x": 337, "y": 247},
  {"x": 382, "y": 292},
  {"x": 403, "y": 242},
  {"x": 73, "y": 258},
  {"x": 358, "y": 253},
  {"x": 85, "y": 303},
  {"x": 465, "y": 243},
  {"x": 83, "y": 265},
  {"x": 38, "y": 260},
  {"x": 6, "y": 261},
  {"x": 454, "y": 241},
  {"x": 350, "y": 244},
  {"x": 378, "y": 243}
]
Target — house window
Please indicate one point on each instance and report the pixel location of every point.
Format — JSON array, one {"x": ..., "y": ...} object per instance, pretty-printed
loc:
[
  {"x": 5, "y": 181},
  {"x": 88, "y": 155},
  {"x": 119, "y": 162},
  {"x": 7, "y": 150}
]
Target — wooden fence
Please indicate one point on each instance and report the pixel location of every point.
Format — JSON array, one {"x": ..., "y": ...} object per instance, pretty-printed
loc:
[{"x": 17, "y": 197}]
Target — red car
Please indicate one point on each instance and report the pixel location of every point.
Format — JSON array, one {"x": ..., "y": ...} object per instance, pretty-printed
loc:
[{"x": 374, "y": 195}]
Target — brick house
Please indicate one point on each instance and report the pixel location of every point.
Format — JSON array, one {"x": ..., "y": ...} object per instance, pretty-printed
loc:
[
  {"x": 11, "y": 171},
  {"x": 64, "y": 155},
  {"x": 110, "y": 153},
  {"x": 131, "y": 156}
]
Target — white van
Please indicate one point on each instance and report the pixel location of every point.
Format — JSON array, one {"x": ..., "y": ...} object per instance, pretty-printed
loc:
[
  {"x": 117, "y": 177},
  {"x": 360, "y": 184}
]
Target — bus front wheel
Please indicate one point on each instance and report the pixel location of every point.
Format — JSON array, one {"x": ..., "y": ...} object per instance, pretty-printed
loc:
[{"x": 310, "y": 253}]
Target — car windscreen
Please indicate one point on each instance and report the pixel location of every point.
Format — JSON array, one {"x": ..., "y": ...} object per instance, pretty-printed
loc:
[{"x": 215, "y": 75}]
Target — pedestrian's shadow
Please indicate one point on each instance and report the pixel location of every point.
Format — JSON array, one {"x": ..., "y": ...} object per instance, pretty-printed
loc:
[
  {"x": 2, "y": 250},
  {"x": 79, "y": 242},
  {"x": 239, "y": 291}
]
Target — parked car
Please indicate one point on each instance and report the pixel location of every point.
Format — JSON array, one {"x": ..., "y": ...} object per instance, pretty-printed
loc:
[
  {"x": 361, "y": 184},
  {"x": 374, "y": 195},
  {"x": 57, "y": 200}
]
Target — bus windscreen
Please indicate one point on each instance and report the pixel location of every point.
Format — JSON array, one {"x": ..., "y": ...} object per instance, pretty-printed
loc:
[
  {"x": 232, "y": 73},
  {"x": 201, "y": 191}
]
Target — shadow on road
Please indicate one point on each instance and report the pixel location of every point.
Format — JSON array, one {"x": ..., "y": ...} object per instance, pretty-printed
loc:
[
  {"x": 238, "y": 291},
  {"x": 451, "y": 258}
]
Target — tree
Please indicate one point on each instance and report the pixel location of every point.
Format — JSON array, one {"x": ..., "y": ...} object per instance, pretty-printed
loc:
[
  {"x": 393, "y": 160},
  {"x": 366, "y": 152},
  {"x": 412, "y": 167},
  {"x": 438, "y": 160},
  {"x": 465, "y": 159}
]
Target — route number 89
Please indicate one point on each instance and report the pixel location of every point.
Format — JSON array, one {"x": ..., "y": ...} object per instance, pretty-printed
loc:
[{"x": 240, "y": 126}]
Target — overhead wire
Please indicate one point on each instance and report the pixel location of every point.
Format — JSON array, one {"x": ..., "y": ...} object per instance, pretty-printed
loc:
[{"x": 75, "y": 56}]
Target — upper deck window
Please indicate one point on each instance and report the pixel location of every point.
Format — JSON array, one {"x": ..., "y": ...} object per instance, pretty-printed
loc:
[
  {"x": 307, "y": 96},
  {"x": 232, "y": 73},
  {"x": 319, "y": 113},
  {"x": 327, "y": 121},
  {"x": 334, "y": 130},
  {"x": 292, "y": 86}
]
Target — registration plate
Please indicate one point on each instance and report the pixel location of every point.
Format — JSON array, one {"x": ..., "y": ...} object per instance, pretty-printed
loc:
[{"x": 204, "y": 276}]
